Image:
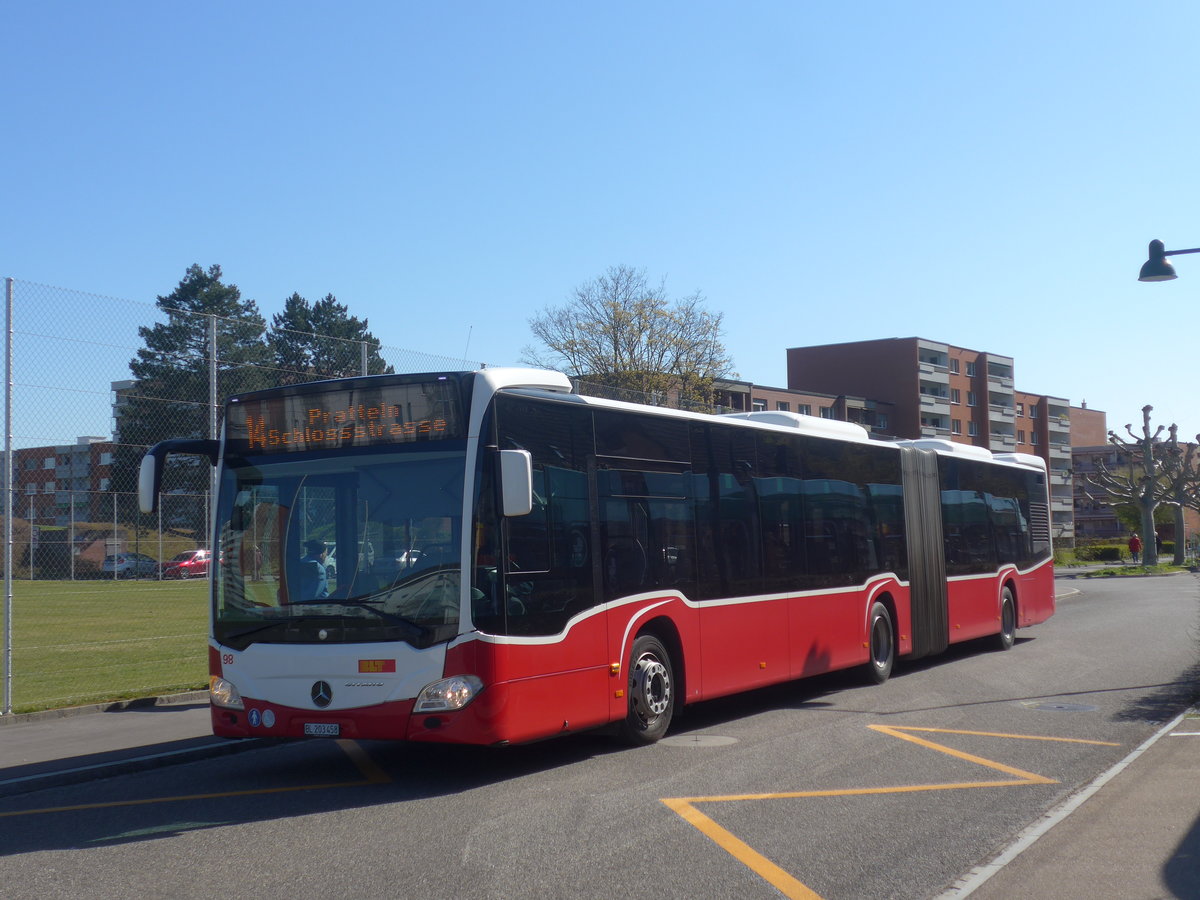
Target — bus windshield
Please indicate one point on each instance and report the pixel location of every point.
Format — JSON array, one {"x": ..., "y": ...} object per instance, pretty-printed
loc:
[{"x": 352, "y": 547}]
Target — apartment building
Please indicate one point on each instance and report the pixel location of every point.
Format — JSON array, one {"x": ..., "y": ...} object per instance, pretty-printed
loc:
[
  {"x": 933, "y": 389},
  {"x": 60, "y": 484}
]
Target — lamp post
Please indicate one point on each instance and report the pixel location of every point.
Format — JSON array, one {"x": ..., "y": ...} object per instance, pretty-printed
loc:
[{"x": 1156, "y": 267}]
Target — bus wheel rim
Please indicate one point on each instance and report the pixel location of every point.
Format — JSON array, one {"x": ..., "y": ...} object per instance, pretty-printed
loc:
[{"x": 652, "y": 688}]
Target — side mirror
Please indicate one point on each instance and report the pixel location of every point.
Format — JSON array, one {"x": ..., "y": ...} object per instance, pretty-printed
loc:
[
  {"x": 516, "y": 482},
  {"x": 150, "y": 473}
]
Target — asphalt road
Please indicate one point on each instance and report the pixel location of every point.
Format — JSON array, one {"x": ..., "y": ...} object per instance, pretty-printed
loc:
[{"x": 826, "y": 787}]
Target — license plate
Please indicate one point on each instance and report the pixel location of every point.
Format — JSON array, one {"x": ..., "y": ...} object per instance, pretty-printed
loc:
[{"x": 322, "y": 729}]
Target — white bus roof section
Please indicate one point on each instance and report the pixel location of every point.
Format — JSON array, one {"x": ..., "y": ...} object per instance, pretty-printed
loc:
[
  {"x": 1023, "y": 459},
  {"x": 541, "y": 379},
  {"x": 815, "y": 425},
  {"x": 951, "y": 447}
]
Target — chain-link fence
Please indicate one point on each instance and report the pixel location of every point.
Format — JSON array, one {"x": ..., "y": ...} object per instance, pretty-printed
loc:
[{"x": 106, "y": 602}]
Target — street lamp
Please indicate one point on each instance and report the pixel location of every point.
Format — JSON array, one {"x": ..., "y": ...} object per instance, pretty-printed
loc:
[{"x": 1156, "y": 267}]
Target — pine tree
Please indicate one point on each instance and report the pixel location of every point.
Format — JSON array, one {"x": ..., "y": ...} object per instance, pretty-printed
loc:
[
  {"x": 321, "y": 340},
  {"x": 170, "y": 396}
]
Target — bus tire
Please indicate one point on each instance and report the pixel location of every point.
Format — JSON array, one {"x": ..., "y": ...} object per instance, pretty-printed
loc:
[
  {"x": 1008, "y": 621},
  {"x": 882, "y": 644},
  {"x": 650, "y": 692}
]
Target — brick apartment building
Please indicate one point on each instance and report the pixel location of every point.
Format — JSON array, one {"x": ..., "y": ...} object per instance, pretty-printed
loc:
[
  {"x": 68, "y": 482},
  {"x": 937, "y": 390}
]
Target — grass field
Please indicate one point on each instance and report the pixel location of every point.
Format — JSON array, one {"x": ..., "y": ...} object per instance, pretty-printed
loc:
[{"x": 79, "y": 642}]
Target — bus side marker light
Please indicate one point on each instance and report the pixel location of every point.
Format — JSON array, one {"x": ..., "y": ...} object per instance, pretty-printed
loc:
[
  {"x": 618, "y": 694},
  {"x": 614, "y": 668},
  {"x": 762, "y": 665}
]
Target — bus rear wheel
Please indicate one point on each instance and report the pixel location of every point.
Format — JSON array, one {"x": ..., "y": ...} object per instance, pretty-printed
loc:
[
  {"x": 1008, "y": 621},
  {"x": 650, "y": 692},
  {"x": 882, "y": 644}
]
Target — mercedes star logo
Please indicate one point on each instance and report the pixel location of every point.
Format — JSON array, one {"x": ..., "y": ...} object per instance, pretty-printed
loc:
[{"x": 322, "y": 694}]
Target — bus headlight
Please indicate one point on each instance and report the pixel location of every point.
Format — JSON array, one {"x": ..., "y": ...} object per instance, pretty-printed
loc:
[
  {"x": 222, "y": 693},
  {"x": 448, "y": 694}
]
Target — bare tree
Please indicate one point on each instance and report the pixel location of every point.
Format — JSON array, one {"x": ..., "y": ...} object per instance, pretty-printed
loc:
[
  {"x": 1150, "y": 481},
  {"x": 1185, "y": 485},
  {"x": 621, "y": 331}
]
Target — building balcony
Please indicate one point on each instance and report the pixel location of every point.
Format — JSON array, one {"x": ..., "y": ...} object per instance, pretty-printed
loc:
[
  {"x": 1005, "y": 443},
  {"x": 932, "y": 372},
  {"x": 1000, "y": 413}
]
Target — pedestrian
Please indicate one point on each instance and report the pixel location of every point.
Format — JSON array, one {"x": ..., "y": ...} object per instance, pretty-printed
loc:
[{"x": 1135, "y": 548}]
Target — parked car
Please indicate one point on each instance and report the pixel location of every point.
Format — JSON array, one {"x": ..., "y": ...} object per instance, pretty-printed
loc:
[
  {"x": 128, "y": 565},
  {"x": 188, "y": 564}
]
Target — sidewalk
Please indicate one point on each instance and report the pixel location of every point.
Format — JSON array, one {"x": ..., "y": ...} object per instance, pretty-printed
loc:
[
  {"x": 1135, "y": 833},
  {"x": 60, "y": 747}
]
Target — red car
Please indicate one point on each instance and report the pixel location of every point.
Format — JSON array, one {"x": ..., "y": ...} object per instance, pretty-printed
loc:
[{"x": 188, "y": 564}]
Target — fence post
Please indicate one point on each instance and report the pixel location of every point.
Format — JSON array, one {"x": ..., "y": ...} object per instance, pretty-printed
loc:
[
  {"x": 8, "y": 497},
  {"x": 213, "y": 400},
  {"x": 362, "y": 346}
]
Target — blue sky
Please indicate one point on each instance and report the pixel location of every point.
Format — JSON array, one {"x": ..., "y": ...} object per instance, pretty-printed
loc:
[{"x": 987, "y": 175}]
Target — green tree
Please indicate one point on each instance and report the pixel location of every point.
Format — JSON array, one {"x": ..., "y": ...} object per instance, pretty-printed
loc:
[
  {"x": 621, "y": 331},
  {"x": 321, "y": 340},
  {"x": 170, "y": 396}
]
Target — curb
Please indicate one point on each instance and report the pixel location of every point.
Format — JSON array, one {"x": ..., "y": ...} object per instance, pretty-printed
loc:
[
  {"x": 37, "y": 781},
  {"x": 67, "y": 712}
]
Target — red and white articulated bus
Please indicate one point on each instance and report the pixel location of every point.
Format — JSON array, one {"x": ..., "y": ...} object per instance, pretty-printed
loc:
[{"x": 506, "y": 560}]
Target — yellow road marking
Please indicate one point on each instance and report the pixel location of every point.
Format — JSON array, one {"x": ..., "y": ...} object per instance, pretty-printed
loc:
[
  {"x": 771, "y": 873},
  {"x": 365, "y": 764},
  {"x": 144, "y": 801},
  {"x": 792, "y": 888},
  {"x": 371, "y": 772}
]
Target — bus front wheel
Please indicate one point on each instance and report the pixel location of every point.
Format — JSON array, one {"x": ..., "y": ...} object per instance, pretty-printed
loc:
[
  {"x": 650, "y": 691},
  {"x": 882, "y": 644},
  {"x": 1008, "y": 621}
]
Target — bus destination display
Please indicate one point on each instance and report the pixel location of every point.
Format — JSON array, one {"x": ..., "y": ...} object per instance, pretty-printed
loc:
[{"x": 333, "y": 420}]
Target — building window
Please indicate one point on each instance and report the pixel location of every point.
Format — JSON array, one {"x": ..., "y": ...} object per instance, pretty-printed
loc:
[
  {"x": 104, "y": 484},
  {"x": 971, "y": 370},
  {"x": 955, "y": 395},
  {"x": 1033, "y": 438},
  {"x": 881, "y": 420},
  {"x": 1020, "y": 409},
  {"x": 972, "y": 429},
  {"x": 1033, "y": 412},
  {"x": 31, "y": 488},
  {"x": 1020, "y": 436},
  {"x": 758, "y": 405},
  {"x": 972, "y": 398},
  {"x": 106, "y": 459},
  {"x": 48, "y": 462},
  {"x": 826, "y": 412},
  {"x": 956, "y": 426},
  {"x": 783, "y": 406},
  {"x": 804, "y": 409},
  {"x": 954, "y": 366}
]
